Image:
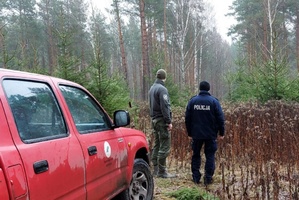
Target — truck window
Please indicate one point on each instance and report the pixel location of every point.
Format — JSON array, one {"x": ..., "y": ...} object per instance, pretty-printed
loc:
[
  {"x": 35, "y": 110},
  {"x": 86, "y": 113}
]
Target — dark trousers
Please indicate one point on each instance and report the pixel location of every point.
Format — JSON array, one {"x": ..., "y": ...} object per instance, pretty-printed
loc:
[{"x": 210, "y": 148}]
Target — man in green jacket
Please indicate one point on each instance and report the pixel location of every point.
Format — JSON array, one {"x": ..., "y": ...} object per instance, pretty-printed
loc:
[{"x": 160, "y": 112}]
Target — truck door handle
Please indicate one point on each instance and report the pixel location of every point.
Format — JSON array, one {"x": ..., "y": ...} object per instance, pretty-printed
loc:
[
  {"x": 40, "y": 166},
  {"x": 92, "y": 150}
]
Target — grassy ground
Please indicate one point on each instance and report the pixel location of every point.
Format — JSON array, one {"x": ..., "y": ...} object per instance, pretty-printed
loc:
[{"x": 164, "y": 187}]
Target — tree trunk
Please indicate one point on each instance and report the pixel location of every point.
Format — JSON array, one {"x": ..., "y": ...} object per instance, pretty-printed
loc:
[
  {"x": 165, "y": 36},
  {"x": 145, "y": 59},
  {"x": 271, "y": 20},
  {"x": 121, "y": 41},
  {"x": 51, "y": 44},
  {"x": 297, "y": 38},
  {"x": 265, "y": 38}
]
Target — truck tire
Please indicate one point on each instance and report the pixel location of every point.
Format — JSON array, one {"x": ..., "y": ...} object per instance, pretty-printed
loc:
[{"x": 142, "y": 183}]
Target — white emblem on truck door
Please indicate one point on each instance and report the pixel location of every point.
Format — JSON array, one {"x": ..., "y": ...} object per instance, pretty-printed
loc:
[{"x": 107, "y": 149}]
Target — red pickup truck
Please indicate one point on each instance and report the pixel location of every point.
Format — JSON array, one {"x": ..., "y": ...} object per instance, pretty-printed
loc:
[{"x": 57, "y": 142}]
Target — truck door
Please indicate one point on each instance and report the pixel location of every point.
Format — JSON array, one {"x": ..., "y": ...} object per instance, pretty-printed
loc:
[
  {"x": 104, "y": 149},
  {"x": 51, "y": 155}
]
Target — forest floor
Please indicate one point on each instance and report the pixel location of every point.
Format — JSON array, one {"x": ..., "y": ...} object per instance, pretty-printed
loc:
[{"x": 164, "y": 187}]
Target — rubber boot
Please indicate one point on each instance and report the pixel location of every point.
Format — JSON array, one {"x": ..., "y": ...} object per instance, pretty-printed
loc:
[
  {"x": 162, "y": 173},
  {"x": 156, "y": 169}
]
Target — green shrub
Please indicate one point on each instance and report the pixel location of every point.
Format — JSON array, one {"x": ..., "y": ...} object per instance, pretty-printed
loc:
[{"x": 191, "y": 194}]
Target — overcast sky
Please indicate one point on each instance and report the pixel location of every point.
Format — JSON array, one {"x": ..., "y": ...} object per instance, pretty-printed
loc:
[{"x": 221, "y": 8}]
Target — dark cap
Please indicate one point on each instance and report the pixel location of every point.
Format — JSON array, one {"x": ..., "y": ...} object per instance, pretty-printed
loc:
[
  {"x": 204, "y": 85},
  {"x": 161, "y": 74}
]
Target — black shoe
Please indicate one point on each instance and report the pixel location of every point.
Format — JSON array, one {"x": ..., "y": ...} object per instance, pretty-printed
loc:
[
  {"x": 196, "y": 180},
  {"x": 208, "y": 182}
]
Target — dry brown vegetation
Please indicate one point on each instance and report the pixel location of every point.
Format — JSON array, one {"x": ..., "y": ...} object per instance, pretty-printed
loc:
[{"x": 259, "y": 157}]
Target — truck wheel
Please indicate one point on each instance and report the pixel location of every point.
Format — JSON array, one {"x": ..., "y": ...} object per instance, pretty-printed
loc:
[{"x": 142, "y": 184}]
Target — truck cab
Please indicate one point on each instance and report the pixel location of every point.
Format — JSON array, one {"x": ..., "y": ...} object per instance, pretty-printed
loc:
[{"x": 57, "y": 142}]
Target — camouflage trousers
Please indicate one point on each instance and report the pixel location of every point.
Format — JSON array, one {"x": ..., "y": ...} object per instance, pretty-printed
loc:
[{"x": 162, "y": 143}]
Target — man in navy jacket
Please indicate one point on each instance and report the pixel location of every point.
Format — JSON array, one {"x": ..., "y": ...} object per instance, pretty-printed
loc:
[{"x": 204, "y": 121}]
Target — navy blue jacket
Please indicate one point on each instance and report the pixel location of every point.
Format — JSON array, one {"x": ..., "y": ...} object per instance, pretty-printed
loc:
[{"x": 204, "y": 117}]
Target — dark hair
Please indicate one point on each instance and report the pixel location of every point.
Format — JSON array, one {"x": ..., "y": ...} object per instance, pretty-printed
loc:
[{"x": 204, "y": 85}]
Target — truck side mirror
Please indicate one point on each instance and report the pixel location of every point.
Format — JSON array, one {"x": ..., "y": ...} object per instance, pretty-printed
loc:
[{"x": 121, "y": 118}]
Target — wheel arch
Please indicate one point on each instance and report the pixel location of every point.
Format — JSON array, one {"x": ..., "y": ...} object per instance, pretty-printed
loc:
[{"x": 142, "y": 153}]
